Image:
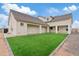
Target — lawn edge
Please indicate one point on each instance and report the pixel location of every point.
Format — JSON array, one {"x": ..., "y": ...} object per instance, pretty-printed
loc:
[
  {"x": 59, "y": 46},
  {"x": 8, "y": 46}
]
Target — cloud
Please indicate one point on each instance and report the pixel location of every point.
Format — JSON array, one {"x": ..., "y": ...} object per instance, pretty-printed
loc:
[
  {"x": 3, "y": 20},
  {"x": 66, "y": 10},
  {"x": 53, "y": 11},
  {"x": 75, "y": 24},
  {"x": 70, "y": 9},
  {"x": 22, "y": 9},
  {"x": 73, "y": 8},
  {"x": 6, "y": 8}
]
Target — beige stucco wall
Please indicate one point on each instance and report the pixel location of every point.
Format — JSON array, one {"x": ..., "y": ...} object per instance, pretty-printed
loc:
[
  {"x": 28, "y": 28},
  {"x": 12, "y": 24},
  {"x": 64, "y": 22},
  {"x": 21, "y": 30},
  {"x": 44, "y": 29}
]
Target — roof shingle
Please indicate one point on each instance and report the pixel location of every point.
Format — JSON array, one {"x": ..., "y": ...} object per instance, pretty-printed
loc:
[
  {"x": 60, "y": 18},
  {"x": 26, "y": 18}
]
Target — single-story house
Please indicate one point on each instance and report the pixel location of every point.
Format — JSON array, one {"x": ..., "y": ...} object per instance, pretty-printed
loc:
[
  {"x": 75, "y": 30},
  {"x": 23, "y": 24}
]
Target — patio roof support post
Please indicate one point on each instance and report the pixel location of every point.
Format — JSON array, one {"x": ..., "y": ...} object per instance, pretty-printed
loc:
[
  {"x": 47, "y": 29},
  {"x": 56, "y": 29},
  {"x": 40, "y": 28},
  {"x": 69, "y": 29},
  {"x": 26, "y": 28}
]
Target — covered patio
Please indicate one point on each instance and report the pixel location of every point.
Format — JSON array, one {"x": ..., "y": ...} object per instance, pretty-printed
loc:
[{"x": 61, "y": 29}]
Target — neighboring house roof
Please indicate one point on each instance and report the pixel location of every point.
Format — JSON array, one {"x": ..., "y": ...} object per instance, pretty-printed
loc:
[
  {"x": 60, "y": 18},
  {"x": 26, "y": 18}
]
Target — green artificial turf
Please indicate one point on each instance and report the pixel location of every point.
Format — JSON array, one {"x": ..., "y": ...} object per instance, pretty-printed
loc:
[{"x": 35, "y": 45}]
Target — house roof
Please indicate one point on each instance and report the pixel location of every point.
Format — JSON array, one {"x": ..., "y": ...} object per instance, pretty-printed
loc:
[
  {"x": 26, "y": 18},
  {"x": 60, "y": 18}
]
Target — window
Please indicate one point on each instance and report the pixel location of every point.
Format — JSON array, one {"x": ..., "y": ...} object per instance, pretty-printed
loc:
[
  {"x": 66, "y": 29},
  {"x": 21, "y": 24},
  {"x": 51, "y": 28}
]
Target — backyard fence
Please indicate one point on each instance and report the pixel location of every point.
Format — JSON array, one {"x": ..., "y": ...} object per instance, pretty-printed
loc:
[{"x": 0, "y": 30}]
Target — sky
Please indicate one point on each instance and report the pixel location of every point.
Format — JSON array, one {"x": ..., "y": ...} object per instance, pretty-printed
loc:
[{"x": 40, "y": 9}]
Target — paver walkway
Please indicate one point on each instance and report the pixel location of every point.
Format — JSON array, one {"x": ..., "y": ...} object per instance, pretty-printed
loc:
[
  {"x": 70, "y": 46},
  {"x": 4, "y": 51}
]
